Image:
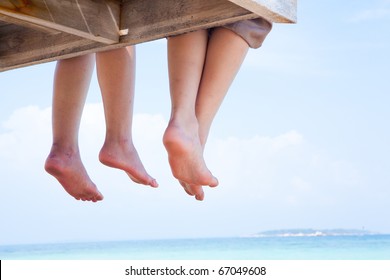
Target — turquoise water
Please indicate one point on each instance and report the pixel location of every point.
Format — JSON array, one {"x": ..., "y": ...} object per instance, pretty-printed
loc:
[{"x": 368, "y": 247}]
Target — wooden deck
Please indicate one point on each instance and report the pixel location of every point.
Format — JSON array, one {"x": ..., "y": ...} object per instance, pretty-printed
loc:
[{"x": 38, "y": 31}]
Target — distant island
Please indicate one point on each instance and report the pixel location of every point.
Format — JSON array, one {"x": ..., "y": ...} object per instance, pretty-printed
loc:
[{"x": 312, "y": 232}]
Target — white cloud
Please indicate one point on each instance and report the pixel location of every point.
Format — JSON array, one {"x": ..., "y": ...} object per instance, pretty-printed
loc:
[
  {"x": 279, "y": 168},
  {"x": 27, "y": 132}
]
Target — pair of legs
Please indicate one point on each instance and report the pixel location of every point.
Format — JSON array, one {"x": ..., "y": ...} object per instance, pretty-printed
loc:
[
  {"x": 201, "y": 70},
  {"x": 116, "y": 76}
]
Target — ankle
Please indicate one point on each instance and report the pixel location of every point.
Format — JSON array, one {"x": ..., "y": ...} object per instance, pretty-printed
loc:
[
  {"x": 63, "y": 150},
  {"x": 187, "y": 123}
]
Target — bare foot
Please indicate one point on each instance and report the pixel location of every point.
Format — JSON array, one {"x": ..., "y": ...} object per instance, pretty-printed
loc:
[
  {"x": 193, "y": 190},
  {"x": 70, "y": 172},
  {"x": 185, "y": 155},
  {"x": 124, "y": 156}
]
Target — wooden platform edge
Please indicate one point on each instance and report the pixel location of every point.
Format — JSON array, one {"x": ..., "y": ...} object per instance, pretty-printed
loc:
[
  {"x": 144, "y": 21},
  {"x": 278, "y": 11}
]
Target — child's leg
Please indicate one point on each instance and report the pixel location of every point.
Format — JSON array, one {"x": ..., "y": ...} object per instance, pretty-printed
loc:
[
  {"x": 225, "y": 54},
  {"x": 186, "y": 54},
  {"x": 71, "y": 82},
  {"x": 116, "y": 74}
]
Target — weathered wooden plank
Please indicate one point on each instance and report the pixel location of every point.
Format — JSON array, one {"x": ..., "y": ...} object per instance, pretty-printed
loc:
[
  {"x": 281, "y": 11},
  {"x": 96, "y": 20},
  {"x": 20, "y": 46},
  {"x": 13, "y": 4},
  {"x": 144, "y": 20},
  {"x": 19, "y": 22}
]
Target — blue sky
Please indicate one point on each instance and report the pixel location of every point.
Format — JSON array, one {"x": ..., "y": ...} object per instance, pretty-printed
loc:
[{"x": 301, "y": 141}]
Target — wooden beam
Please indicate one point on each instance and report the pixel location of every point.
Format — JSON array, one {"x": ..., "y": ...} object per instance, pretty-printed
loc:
[
  {"x": 281, "y": 11},
  {"x": 149, "y": 19},
  {"x": 96, "y": 20}
]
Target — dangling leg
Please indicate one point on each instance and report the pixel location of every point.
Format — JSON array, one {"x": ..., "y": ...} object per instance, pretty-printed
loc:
[
  {"x": 186, "y": 54},
  {"x": 225, "y": 53},
  {"x": 116, "y": 74},
  {"x": 71, "y": 82}
]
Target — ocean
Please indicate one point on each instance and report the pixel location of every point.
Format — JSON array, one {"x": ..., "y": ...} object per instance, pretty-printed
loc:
[{"x": 355, "y": 247}]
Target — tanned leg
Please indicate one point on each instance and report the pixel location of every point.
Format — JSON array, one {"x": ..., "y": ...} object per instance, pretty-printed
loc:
[
  {"x": 71, "y": 82},
  {"x": 116, "y": 75},
  {"x": 186, "y": 55},
  {"x": 225, "y": 53}
]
